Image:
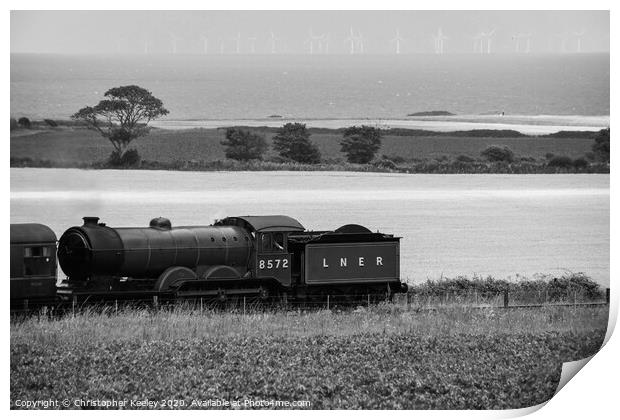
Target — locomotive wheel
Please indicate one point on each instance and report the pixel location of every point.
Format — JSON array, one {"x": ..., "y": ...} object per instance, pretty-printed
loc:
[
  {"x": 263, "y": 293},
  {"x": 221, "y": 295},
  {"x": 172, "y": 278}
]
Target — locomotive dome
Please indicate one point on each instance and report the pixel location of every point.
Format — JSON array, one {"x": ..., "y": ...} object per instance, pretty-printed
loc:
[{"x": 160, "y": 223}]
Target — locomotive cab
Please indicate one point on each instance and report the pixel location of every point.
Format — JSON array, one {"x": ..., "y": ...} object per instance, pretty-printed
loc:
[
  {"x": 272, "y": 257},
  {"x": 272, "y": 261}
]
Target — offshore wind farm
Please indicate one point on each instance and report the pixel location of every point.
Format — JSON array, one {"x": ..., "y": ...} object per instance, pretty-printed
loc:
[
  {"x": 375, "y": 66},
  {"x": 353, "y": 41}
]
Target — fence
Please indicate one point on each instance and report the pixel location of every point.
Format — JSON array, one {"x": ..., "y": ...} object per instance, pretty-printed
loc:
[
  {"x": 505, "y": 298},
  {"x": 241, "y": 304}
]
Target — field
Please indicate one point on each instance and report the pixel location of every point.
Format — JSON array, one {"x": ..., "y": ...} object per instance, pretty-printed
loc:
[
  {"x": 71, "y": 145},
  {"x": 378, "y": 357}
]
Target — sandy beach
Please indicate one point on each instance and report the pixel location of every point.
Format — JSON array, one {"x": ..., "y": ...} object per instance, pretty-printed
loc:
[{"x": 526, "y": 124}]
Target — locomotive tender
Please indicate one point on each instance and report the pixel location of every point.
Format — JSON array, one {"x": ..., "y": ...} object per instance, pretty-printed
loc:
[{"x": 262, "y": 256}]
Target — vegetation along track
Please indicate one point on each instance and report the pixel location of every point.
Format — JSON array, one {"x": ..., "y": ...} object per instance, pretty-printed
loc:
[{"x": 377, "y": 357}]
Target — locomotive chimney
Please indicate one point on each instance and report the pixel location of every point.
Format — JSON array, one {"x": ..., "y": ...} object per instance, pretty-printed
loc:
[{"x": 90, "y": 221}]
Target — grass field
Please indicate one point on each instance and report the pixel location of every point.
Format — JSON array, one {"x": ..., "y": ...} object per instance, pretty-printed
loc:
[
  {"x": 81, "y": 145},
  {"x": 382, "y": 357}
]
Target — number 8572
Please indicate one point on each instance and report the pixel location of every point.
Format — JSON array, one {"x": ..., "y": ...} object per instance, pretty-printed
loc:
[{"x": 274, "y": 263}]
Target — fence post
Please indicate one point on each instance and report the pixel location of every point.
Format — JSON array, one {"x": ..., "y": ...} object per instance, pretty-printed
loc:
[
  {"x": 408, "y": 302},
  {"x": 328, "y": 302},
  {"x": 575, "y": 298},
  {"x": 243, "y": 305},
  {"x": 369, "y": 299},
  {"x": 200, "y": 306},
  {"x": 506, "y": 298},
  {"x": 607, "y": 295},
  {"x": 73, "y": 302},
  {"x": 116, "y": 307},
  {"x": 156, "y": 301}
]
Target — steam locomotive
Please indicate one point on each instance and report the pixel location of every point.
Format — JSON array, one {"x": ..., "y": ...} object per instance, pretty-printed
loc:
[{"x": 260, "y": 256}]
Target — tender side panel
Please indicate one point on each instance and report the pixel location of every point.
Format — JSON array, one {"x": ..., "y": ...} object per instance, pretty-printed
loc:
[{"x": 364, "y": 262}]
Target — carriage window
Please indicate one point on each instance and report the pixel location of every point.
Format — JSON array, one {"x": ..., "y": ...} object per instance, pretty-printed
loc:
[
  {"x": 37, "y": 251},
  {"x": 38, "y": 262}
]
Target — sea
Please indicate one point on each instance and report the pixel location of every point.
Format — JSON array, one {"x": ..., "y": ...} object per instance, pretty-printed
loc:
[{"x": 319, "y": 87}]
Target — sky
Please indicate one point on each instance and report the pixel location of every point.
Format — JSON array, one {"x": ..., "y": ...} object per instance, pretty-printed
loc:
[{"x": 299, "y": 32}]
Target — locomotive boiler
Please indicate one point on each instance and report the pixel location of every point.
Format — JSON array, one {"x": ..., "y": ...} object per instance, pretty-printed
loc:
[
  {"x": 96, "y": 254},
  {"x": 264, "y": 256}
]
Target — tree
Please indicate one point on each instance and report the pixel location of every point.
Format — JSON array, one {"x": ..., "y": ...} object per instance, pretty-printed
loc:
[
  {"x": 243, "y": 145},
  {"x": 361, "y": 143},
  {"x": 292, "y": 141},
  {"x": 560, "y": 162},
  {"x": 601, "y": 145},
  {"x": 123, "y": 116},
  {"x": 581, "y": 163},
  {"x": 498, "y": 154},
  {"x": 24, "y": 122}
]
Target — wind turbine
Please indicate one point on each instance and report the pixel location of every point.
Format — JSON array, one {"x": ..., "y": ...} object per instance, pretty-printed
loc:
[
  {"x": 360, "y": 40},
  {"x": 205, "y": 44},
  {"x": 519, "y": 46},
  {"x": 237, "y": 41},
  {"x": 174, "y": 39},
  {"x": 324, "y": 41},
  {"x": 397, "y": 40},
  {"x": 579, "y": 36},
  {"x": 478, "y": 42},
  {"x": 252, "y": 41},
  {"x": 273, "y": 40},
  {"x": 562, "y": 44},
  {"x": 489, "y": 38},
  {"x": 312, "y": 38},
  {"x": 517, "y": 39},
  {"x": 351, "y": 39},
  {"x": 117, "y": 42},
  {"x": 439, "y": 39},
  {"x": 146, "y": 44},
  {"x": 528, "y": 41}
]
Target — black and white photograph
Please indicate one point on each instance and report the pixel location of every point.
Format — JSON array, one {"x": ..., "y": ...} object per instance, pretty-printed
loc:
[{"x": 307, "y": 209}]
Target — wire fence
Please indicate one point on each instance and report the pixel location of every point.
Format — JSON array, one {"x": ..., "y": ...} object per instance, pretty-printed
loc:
[
  {"x": 514, "y": 298},
  {"x": 72, "y": 305}
]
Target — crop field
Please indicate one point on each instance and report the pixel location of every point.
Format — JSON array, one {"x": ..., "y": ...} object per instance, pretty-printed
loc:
[
  {"x": 81, "y": 145},
  {"x": 377, "y": 357}
]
